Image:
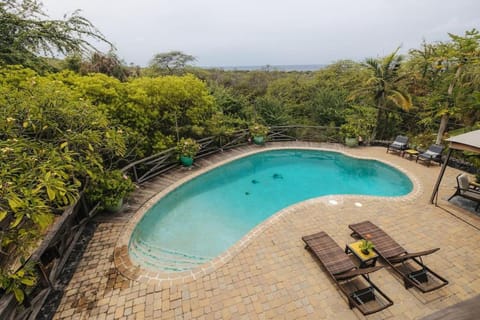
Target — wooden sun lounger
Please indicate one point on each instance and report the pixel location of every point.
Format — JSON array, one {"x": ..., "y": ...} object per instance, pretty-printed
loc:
[
  {"x": 355, "y": 283},
  {"x": 409, "y": 266}
]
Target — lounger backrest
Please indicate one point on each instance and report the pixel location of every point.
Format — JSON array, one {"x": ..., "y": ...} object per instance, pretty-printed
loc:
[
  {"x": 462, "y": 181},
  {"x": 401, "y": 139},
  {"x": 329, "y": 253},
  {"x": 384, "y": 244},
  {"x": 436, "y": 148}
]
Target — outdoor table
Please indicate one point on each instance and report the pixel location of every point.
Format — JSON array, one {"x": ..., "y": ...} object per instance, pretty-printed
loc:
[
  {"x": 411, "y": 153},
  {"x": 366, "y": 260}
]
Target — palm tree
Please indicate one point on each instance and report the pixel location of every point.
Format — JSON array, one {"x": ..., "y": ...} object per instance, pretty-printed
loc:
[{"x": 384, "y": 85}]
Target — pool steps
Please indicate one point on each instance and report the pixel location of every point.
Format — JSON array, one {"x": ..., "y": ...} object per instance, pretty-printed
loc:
[{"x": 162, "y": 258}]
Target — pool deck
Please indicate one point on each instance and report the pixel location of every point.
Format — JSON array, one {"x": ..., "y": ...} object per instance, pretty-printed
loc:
[{"x": 269, "y": 274}]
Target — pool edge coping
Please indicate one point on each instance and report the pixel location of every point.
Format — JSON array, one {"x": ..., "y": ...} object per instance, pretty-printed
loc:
[{"x": 127, "y": 268}]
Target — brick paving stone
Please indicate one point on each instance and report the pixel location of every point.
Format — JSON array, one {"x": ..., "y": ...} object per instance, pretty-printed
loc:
[{"x": 272, "y": 276}]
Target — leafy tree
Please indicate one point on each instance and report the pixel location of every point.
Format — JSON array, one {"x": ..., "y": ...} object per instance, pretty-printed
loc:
[
  {"x": 99, "y": 89},
  {"x": 327, "y": 106},
  {"x": 50, "y": 141},
  {"x": 292, "y": 89},
  {"x": 254, "y": 84},
  {"x": 228, "y": 102},
  {"x": 163, "y": 109},
  {"x": 26, "y": 33},
  {"x": 272, "y": 111},
  {"x": 342, "y": 75},
  {"x": 449, "y": 71},
  {"x": 108, "y": 64},
  {"x": 171, "y": 63},
  {"x": 359, "y": 122}
]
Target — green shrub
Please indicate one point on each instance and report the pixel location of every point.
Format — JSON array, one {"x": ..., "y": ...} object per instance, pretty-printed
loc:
[
  {"x": 109, "y": 188},
  {"x": 187, "y": 147},
  {"x": 258, "y": 130}
]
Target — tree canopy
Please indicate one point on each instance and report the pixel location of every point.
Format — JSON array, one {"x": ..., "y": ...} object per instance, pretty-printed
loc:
[
  {"x": 170, "y": 63},
  {"x": 26, "y": 34}
]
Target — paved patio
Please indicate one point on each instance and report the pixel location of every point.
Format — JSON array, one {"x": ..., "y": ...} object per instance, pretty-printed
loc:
[{"x": 270, "y": 275}]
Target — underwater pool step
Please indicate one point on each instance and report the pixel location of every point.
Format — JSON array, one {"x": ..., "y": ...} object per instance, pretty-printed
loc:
[
  {"x": 164, "y": 259},
  {"x": 163, "y": 250},
  {"x": 165, "y": 264}
]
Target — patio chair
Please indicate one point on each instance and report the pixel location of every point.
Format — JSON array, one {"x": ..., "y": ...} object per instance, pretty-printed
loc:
[
  {"x": 409, "y": 266},
  {"x": 464, "y": 190},
  {"x": 399, "y": 145},
  {"x": 354, "y": 283},
  {"x": 434, "y": 153}
]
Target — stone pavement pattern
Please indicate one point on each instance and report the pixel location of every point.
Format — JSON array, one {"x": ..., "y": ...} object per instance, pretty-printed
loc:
[{"x": 274, "y": 277}]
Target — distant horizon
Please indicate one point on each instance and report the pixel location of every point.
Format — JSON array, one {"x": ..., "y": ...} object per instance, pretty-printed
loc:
[{"x": 279, "y": 67}]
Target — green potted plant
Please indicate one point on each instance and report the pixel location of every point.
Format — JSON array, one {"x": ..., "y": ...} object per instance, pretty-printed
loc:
[
  {"x": 187, "y": 149},
  {"x": 258, "y": 132},
  {"x": 109, "y": 188},
  {"x": 350, "y": 133},
  {"x": 365, "y": 246}
]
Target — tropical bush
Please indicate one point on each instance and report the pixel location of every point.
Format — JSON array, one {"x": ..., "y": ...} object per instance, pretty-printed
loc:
[
  {"x": 108, "y": 188},
  {"x": 187, "y": 147},
  {"x": 359, "y": 122},
  {"x": 50, "y": 142},
  {"x": 258, "y": 130},
  {"x": 18, "y": 281}
]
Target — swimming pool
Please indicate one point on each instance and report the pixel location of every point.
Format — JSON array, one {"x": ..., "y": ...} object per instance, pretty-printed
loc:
[{"x": 205, "y": 216}]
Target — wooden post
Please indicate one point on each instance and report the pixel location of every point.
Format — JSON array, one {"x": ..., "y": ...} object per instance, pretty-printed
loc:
[{"x": 439, "y": 179}]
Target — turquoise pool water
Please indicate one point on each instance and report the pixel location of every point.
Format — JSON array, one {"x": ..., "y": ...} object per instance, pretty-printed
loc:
[{"x": 208, "y": 214}]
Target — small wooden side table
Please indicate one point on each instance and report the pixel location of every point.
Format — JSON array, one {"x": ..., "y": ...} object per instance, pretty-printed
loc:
[
  {"x": 366, "y": 260},
  {"x": 411, "y": 153}
]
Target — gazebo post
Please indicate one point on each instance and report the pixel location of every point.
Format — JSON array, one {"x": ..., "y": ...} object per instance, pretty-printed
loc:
[{"x": 439, "y": 179}]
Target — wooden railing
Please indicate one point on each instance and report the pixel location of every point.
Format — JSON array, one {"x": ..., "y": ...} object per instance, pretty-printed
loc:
[
  {"x": 52, "y": 254},
  {"x": 49, "y": 259}
]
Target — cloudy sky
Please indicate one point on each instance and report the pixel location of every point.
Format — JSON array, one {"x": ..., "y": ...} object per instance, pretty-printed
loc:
[{"x": 273, "y": 32}]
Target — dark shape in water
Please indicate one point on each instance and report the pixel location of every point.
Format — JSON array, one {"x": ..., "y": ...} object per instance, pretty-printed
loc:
[
  {"x": 247, "y": 193},
  {"x": 255, "y": 181},
  {"x": 277, "y": 176}
]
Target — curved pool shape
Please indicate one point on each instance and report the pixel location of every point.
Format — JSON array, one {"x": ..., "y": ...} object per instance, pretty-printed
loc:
[{"x": 205, "y": 216}]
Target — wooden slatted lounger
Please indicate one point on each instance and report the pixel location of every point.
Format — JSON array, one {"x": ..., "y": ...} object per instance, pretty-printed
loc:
[
  {"x": 355, "y": 283},
  {"x": 409, "y": 266}
]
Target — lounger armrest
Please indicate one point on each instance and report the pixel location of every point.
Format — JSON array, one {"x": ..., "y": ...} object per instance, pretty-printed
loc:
[
  {"x": 471, "y": 190},
  {"x": 356, "y": 272},
  {"x": 412, "y": 255}
]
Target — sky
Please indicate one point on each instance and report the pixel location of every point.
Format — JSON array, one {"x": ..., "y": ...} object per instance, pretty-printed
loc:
[{"x": 271, "y": 32}]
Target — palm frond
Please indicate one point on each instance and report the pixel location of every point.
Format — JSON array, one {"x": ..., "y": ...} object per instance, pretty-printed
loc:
[{"x": 401, "y": 99}]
